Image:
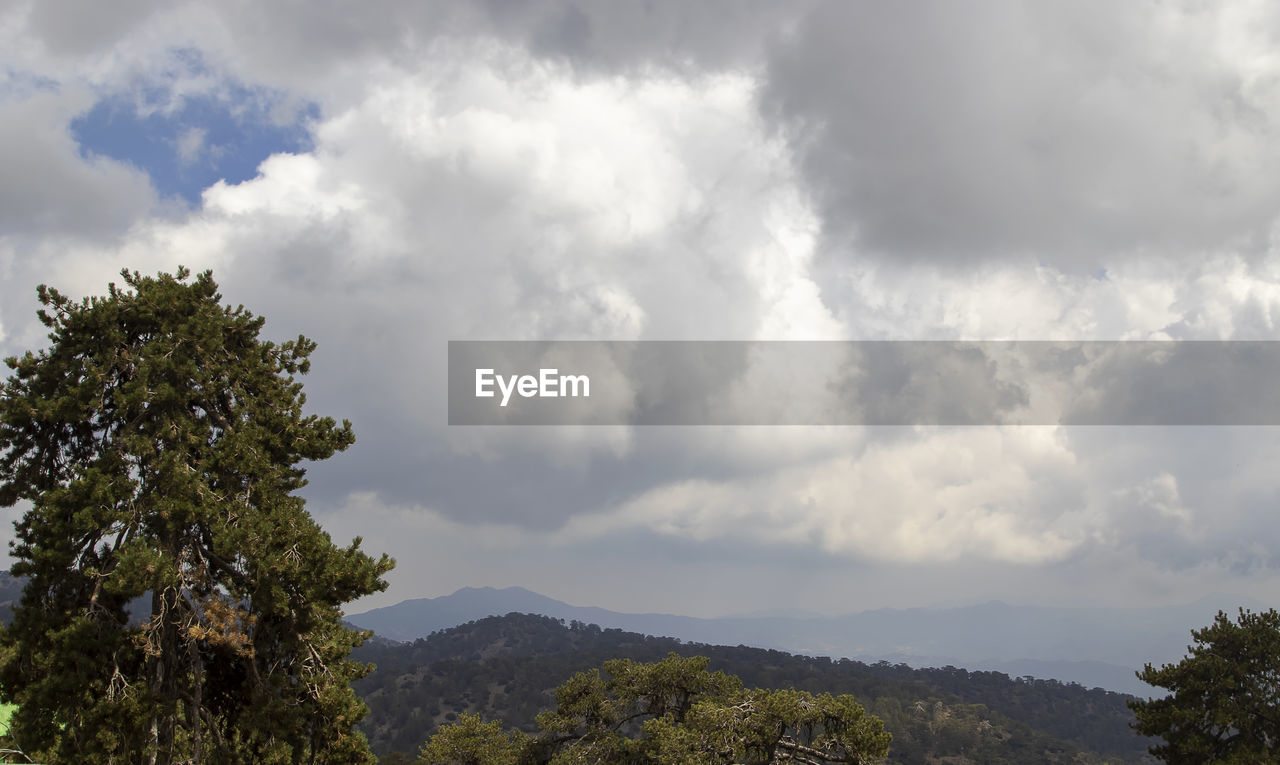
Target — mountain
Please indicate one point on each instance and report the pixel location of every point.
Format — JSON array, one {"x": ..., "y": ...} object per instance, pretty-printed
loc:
[
  {"x": 506, "y": 668},
  {"x": 10, "y": 593},
  {"x": 1100, "y": 647},
  {"x": 412, "y": 619}
]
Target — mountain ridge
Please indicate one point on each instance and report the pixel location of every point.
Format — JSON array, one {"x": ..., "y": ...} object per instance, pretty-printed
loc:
[{"x": 1092, "y": 646}]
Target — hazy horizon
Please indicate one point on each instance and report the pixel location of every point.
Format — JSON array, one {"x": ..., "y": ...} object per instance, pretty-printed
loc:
[{"x": 1218, "y": 600}]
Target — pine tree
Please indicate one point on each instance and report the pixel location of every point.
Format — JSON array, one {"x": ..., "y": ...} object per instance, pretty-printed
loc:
[
  {"x": 1224, "y": 705},
  {"x": 671, "y": 712},
  {"x": 181, "y": 603}
]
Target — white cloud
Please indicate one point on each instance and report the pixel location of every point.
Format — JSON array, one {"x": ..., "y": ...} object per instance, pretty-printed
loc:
[{"x": 937, "y": 496}]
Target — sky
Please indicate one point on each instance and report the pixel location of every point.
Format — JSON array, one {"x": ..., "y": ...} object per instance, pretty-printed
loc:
[{"x": 387, "y": 177}]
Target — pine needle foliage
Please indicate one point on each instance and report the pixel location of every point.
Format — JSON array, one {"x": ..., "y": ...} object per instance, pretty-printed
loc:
[{"x": 182, "y": 604}]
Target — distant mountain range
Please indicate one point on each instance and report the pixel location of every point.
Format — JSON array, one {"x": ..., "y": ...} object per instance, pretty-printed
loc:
[{"x": 1095, "y": 647}]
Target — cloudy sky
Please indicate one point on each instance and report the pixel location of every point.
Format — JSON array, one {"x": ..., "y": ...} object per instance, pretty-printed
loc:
[{"x": 388, "y": 176}]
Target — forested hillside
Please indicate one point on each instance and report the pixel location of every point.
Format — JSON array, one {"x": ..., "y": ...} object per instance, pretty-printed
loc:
[{"x": 507, "y": 667}]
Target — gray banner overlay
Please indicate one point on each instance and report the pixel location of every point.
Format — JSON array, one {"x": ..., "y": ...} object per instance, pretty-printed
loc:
[{"x": 864, "y": 383}]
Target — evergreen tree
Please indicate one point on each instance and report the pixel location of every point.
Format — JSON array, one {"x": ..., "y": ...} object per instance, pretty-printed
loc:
[
  {"x": 1225, "y": 701},
  {"x": 473, "y": 742},
  {"x": 181, "y": 605},
  {"x": 671, "y": 712}
]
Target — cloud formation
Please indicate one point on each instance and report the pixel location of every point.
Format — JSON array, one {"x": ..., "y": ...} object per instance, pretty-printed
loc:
[
  {"x": 732, "y": 171},
  {"x": 1069, "y": 133}
]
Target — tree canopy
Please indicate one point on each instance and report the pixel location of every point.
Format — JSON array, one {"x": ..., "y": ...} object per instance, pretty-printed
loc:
[
  {"x": 181, "y": 603},
  {"x": 672, "y": 711},
  {"x": 1225, "y": 700}
]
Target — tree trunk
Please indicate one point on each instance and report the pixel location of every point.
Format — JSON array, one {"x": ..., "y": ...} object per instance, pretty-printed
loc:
[
  {"x": 196, "y": 699},
  {"x": 164, "y": 673}
]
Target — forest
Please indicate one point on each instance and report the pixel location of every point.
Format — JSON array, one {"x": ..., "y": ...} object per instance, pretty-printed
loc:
[{"x": 506, "y": 668}]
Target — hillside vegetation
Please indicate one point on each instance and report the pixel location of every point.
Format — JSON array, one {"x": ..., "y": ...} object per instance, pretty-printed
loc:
[{"x": 507, "y": 668}]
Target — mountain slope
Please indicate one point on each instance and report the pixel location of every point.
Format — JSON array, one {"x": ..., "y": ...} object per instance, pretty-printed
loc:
[{"x": 506, "y": 668}]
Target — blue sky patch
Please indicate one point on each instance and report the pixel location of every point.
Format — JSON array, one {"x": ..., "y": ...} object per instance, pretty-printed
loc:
[{"x": 188, "y": 145}]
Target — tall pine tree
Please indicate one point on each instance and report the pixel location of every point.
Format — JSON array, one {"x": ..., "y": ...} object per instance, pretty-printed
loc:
[{"x": 182, "y": 605}]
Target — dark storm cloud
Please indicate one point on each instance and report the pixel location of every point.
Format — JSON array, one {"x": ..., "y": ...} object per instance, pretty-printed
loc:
[
  {"x": 523, "y": 484},
  {"x": 1066, "y": 131},
  {"x": 669, "y": 32},
  {"x": 79, "y": 27},
  {"x": 593, "y": 36}
]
